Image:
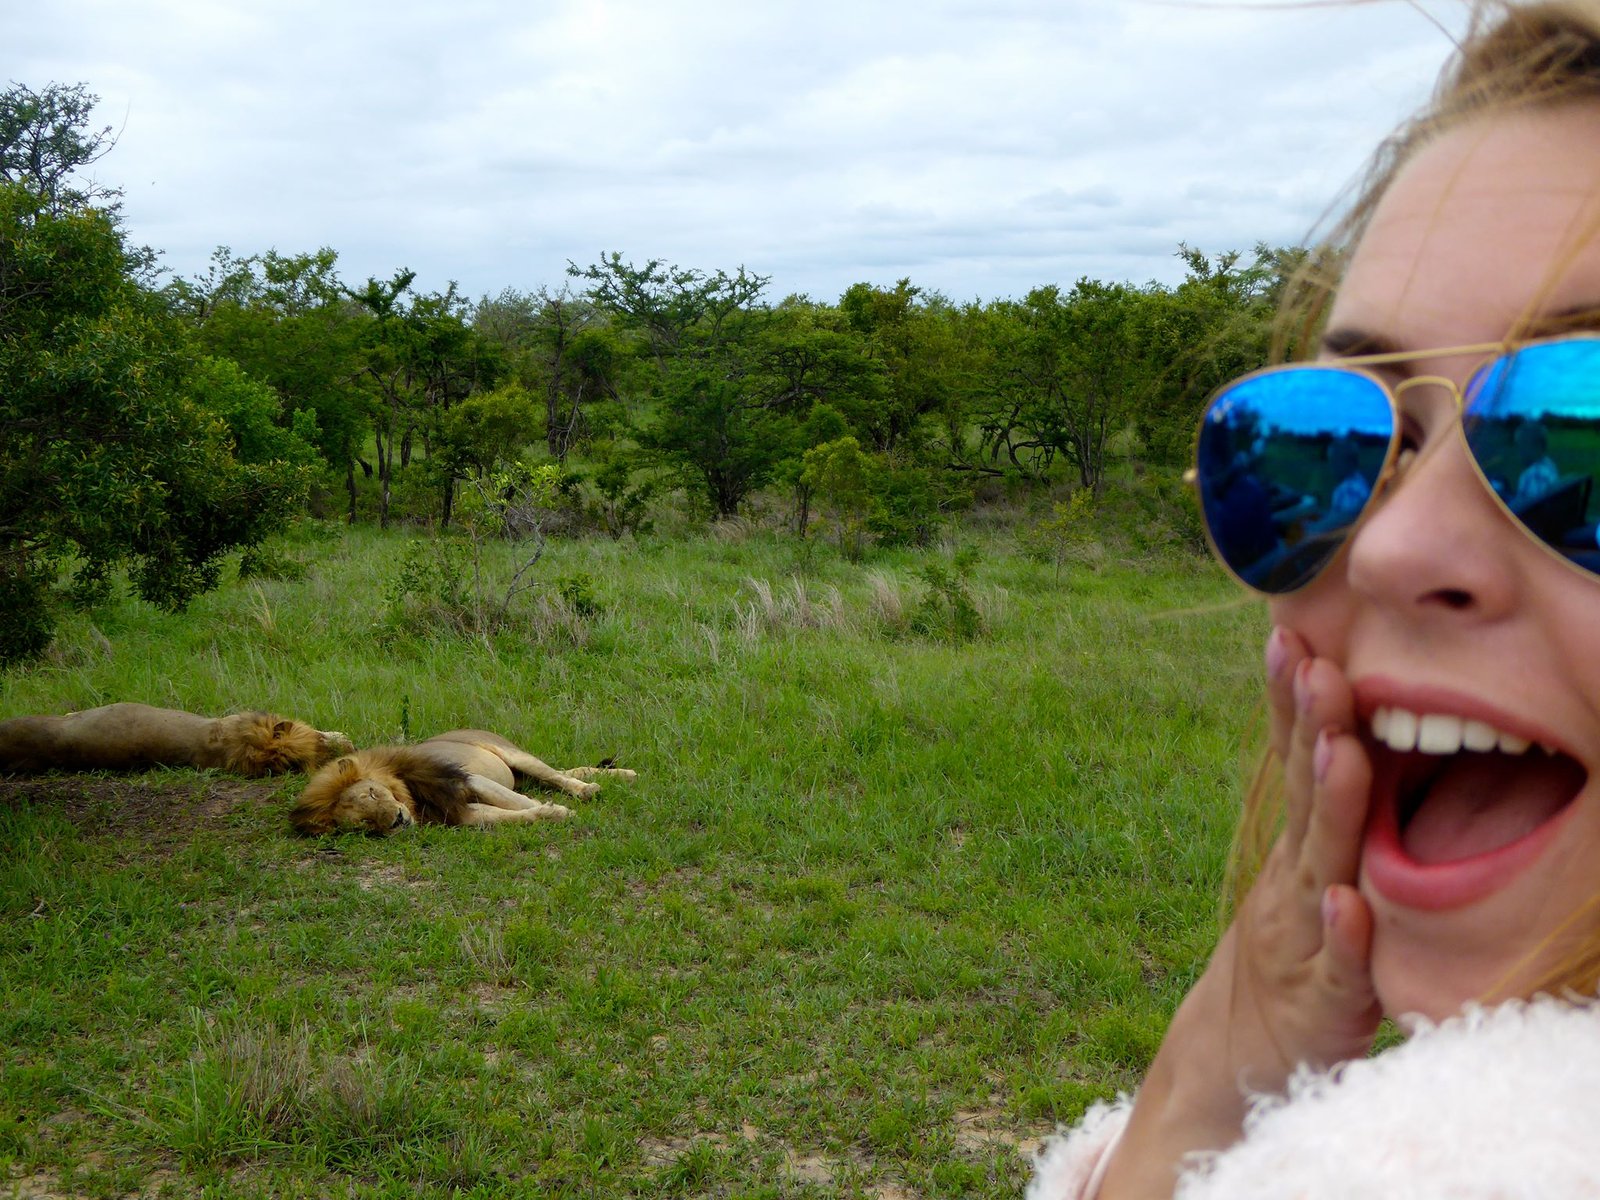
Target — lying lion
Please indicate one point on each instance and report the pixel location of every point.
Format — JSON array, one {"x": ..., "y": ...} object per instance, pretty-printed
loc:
[
  {"x": 125, "y": 737},
  {"x": 464, "y": 777}
]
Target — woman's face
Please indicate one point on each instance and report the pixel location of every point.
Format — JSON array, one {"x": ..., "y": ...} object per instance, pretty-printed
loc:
[{"x": 1441, "y": 606}]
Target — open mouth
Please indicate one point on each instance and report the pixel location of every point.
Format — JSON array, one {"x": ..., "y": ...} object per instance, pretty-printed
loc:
[{"x": 1460, "y": 789}]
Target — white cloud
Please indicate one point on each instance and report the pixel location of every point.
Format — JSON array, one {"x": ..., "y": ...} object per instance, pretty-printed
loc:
[{"x": 978, "y": 148}]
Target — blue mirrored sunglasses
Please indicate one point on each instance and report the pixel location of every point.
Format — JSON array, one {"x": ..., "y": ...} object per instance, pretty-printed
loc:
[{"x": 1289, "y": 459}]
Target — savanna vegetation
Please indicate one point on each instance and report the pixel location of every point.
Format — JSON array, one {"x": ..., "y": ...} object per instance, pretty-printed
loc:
[{"x": 894, "y": 602}]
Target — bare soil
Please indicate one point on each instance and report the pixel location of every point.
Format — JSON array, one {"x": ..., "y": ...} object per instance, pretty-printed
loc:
[{"x": 157, "y": 807}]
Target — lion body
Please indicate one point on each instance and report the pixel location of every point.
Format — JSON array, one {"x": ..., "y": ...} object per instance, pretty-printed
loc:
[
  {"x": 130, "y": 737},
  {"x": 463, "y": 777}
]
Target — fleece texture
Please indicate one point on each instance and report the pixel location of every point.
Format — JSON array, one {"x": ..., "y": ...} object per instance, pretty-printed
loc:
[{"x": 1496, "y": 1104}]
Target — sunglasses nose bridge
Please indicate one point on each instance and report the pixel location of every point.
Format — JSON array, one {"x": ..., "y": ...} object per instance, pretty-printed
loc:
[{"x": 1457, "y": 391}]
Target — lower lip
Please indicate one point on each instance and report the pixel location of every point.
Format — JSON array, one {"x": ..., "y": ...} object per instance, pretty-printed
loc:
[{"x": 1400, "y": 879}]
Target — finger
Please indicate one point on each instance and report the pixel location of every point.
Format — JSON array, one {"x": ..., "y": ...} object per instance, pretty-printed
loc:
[
  {"x": 1341, "y": 794},
  {"x": 1345, "y": 968},
  {"x": 1286, "y": 649},
  {"x": 1322, "y": 700},
  {"x": 1347, "y": 940}
]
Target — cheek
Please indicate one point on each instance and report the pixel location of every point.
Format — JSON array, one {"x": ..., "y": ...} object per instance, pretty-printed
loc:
[{"x": 1321, "y": 613}]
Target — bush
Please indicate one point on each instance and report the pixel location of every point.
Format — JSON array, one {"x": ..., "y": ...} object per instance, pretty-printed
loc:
[
  {"x": 263, "y": 561},
  {"x": 911, "y": 505},
  {"x": 26, "y": 616},
  {"x": 623, "y": 505},
  {"x": 1064, "y": 535},
  {"x": 577, "y": 592},
  {"x": 947, "y": 610},
  {"x": 1155, "y": 512}
]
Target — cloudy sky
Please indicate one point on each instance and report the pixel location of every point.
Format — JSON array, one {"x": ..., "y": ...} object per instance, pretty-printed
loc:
[{"x": 978, "y": 147}]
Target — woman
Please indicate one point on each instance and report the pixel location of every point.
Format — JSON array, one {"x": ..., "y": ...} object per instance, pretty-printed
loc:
[{"x": 1434, "y": 691}]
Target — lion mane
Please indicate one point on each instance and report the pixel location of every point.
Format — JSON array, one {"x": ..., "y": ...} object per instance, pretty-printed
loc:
[
  {"x": 432, "y": 791},
  {"x": 128, "y": 736},
  {"x": 261, "y": 743}
]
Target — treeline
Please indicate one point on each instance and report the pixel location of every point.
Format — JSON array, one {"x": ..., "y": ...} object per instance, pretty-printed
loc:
[
  {"x": 659, "y": 375},
  {"x": 156, "y": 423}
]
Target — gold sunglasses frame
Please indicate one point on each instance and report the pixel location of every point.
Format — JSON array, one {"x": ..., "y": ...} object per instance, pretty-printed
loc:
[{"x": 1357, "y": 364}]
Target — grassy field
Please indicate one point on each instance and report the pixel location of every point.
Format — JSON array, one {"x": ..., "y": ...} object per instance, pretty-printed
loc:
[{"x": 879, "y": 911}]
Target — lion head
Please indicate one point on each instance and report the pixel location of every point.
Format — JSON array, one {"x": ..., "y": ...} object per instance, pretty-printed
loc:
[
  {"x": 258, "y": 743},
  {"x": 350, "y": 794}
]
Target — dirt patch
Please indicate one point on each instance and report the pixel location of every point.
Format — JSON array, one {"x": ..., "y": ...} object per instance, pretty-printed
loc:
[
  {"x": 980, "y": 1130},
  {"x": 159, "y": 807}
]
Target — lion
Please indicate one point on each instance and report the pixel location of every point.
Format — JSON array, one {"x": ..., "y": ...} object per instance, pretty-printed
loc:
[
  {"x": 463, "y": 777},
  {"x": 129, "y": 737}
]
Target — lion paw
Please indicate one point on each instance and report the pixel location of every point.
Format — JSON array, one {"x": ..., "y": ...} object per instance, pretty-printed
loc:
[
  {"x": 555, "y": 812},
  {"x": 586, "y": 790}
]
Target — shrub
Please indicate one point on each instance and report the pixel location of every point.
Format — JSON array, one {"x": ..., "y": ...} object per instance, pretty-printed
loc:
[
  {"x": 623, "y": 505},
  {"x": 263, "y": 561},
  {"x": 1063, "y": 535},
  {"x": 947, "y": 611}
]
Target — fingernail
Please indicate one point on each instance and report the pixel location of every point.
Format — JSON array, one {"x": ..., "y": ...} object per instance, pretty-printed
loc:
[
  {"x": 1277, "y": 654},
  {"x": 1302, "y": 685},
  {"x": 1330, "y": 905},
  {"x": 1322, "y": 757}
]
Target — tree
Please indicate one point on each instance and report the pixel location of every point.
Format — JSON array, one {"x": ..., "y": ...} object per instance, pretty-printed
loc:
[
  {"x": 1214, "y": 326},
  {"x": 667, "y": 304},
  {"x": 285, "y": 319},
  {"x": 419, "y": 357},
  {"x": 109, "y": 455},
  {"x": 1075, "y": 370},
  {"x": 908, "y": 337},
  {"x": 839, "y": 475},
  {"x": 562, "y": 347},
  {"x": 485, "y": 430},
  {"x": 45, "y": 137},
  {"x": 719, "y": 420}
]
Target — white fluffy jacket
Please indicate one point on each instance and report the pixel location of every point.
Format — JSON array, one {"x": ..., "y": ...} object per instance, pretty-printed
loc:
[{"x": 1497, "y": 1104}]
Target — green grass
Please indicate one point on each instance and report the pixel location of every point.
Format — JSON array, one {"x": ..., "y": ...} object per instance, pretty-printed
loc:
[{"x": 879, "y": 908}]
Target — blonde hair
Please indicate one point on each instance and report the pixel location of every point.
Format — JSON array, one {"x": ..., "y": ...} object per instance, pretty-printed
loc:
[{"x": 1513, "y": 56}]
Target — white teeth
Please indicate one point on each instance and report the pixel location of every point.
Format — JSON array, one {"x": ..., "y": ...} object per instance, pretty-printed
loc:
[
  {"x": 1510, "y": 743},
  {"x": 1442, "y": 733},
  {"x": 1438, "y": 733},
  {"x": 1402, "y": 730}
]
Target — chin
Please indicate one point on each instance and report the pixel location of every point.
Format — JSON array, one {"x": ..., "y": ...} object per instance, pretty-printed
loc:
[
  {"x": 1404, "y": 991},
  {"x": 1433, "y": 965}
]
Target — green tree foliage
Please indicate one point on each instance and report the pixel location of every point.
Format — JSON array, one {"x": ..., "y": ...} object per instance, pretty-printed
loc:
[
  {"x": 724, "y": 417},
  {"x": 839, "y": 475},
  {"x": 1075, "y": 369},
  {"x": 45, "y": 137},
  {"x": 418, "y": 358},
  {"x": 562, "y": 347},
  {"x": 624, "y": 499},
  {"x": 286, "y": 321},
  {"x": 1213, "y": 327},
  {"x": 1063, "y": 534},
  {"x": 911, "y": 340},
  {"x": 252, "y": 413},
  {"x": 109, "y": 454},
  {"x": 486, "y": 430}
]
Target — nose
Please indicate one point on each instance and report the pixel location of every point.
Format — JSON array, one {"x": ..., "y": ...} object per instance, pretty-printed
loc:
[
  {"x": 399, "y": 819},
  {"x": 1438, "y": 544}
]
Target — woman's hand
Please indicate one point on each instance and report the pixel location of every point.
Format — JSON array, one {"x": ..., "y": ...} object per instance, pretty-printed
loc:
[{"x": 1289, "y": 982}]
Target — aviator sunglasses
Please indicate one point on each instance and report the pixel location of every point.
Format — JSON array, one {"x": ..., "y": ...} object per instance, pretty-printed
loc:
[{"x": 1290, "y": 458}]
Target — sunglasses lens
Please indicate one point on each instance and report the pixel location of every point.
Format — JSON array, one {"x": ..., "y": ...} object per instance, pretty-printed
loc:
[
  {"x": 1532, "y": 420},
  {"x": 1286, "y": 463}
]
